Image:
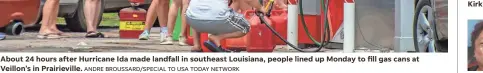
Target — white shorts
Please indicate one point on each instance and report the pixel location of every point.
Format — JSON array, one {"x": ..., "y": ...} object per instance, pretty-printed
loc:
[{"x": 236, "y": 22}]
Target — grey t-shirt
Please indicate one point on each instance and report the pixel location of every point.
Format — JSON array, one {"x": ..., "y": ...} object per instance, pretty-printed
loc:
[{"x": 208, "y": 9}]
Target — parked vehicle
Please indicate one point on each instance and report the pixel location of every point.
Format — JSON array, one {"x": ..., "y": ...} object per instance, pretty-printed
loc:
[
  {"x": 17, "y": 13},
  {"x": 430, "y": 30},
  {"x": 72, "y": 11}
]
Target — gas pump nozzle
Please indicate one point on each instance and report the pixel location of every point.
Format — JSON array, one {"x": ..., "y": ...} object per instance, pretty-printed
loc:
[{"x": 269, "y": 8}]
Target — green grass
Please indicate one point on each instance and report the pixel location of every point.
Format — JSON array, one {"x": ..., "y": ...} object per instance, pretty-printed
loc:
[
  {"x": 61, "y": 21},
  {"x": 108, "y": 19}
]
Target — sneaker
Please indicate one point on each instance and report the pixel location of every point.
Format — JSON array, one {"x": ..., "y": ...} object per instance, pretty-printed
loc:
[
  {"x": 144, "y": 35},
  {"x": 182, "y": 41},
  {"x": 2, "y": 36},
  {"x": 167, "y": 41},
  {"x": 162, "y": 37},
  {"x": 213, "y": 48},
  {"x": 163, "y": 34}
]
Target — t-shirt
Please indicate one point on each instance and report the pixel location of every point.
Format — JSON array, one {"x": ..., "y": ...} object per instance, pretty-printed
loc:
[{"x": 208, "y": 9}]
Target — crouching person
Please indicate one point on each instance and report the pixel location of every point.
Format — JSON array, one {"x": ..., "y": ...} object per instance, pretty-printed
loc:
[{"x": 215, "y": 17}]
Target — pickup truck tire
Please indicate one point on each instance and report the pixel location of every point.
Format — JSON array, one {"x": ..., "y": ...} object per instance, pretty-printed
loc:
[{"x": 432, "y": 25}]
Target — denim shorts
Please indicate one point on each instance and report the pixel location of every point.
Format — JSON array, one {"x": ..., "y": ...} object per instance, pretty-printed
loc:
[{"x": 235, "y": 22}]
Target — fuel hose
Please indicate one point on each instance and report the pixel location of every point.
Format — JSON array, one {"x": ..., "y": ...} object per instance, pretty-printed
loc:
[
  {"x": 326, "y": 35},
  {"x": 263, "y": 21}
]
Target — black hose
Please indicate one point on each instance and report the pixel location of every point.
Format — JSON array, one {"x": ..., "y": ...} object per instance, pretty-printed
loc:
[
  {"x": 305, "y": 25},
  {"x": 263, "y": 21},
  {"x": 326, "y": 33}
]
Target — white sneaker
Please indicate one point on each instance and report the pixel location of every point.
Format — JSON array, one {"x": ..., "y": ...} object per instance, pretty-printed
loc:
[
  {"x": 167, "y": 41},
  {"x": 182, "y": 41},
  {"x": 162, "y": 37}
]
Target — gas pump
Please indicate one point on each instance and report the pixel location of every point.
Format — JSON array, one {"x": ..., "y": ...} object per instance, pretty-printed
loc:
[
  {"x": 258, "y": 34},
  {"x": 341, "y": 27}
]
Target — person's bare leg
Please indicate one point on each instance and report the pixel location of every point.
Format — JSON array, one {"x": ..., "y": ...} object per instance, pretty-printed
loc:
[
  {"x": 91, "y": 9},
  {"x": 196, "y": 41},
  {"x": 235, "y": 5},
  {"x": 97, "y": 7},
  {"x": 98, "y": 19},
  {"x": 151, "y": 15},
  {"x": 162, "y": 12},
  {"x": 53, "y": 19},
  {"x": 172, "y": 15},
  {"x": 48, "y": 13},
  {"x": 185, "y": 5},
  {"x": 282, "y": 4},
  {"x": 182, "y": 35},
  {"x": 150, "y": 18},
  {"x": 217, "y": 38},
  {"x": 244, "y": 7}
]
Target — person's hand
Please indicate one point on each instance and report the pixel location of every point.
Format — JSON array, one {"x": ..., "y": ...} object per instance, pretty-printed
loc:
[{"x": 262, "y": 10}]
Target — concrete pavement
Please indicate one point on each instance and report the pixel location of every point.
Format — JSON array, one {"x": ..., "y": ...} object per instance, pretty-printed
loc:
[{"x": 28, "y": 42}]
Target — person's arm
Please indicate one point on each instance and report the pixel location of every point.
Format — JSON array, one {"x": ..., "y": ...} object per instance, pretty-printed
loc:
[
  {"x": 255, "y": 4},
  {"x": 281, "y": 4}
]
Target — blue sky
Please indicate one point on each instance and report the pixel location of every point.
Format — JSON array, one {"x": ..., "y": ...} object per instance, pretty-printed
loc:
[{"x": 471, "y": 25}]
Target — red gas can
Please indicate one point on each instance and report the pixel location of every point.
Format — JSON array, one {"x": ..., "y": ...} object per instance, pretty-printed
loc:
[
  {"x": 189, "y": 38},
  {"x": 279, "y": 20},
  {"x": 131, "y": 22},
  {"x": 259, "y": 39},
  {"x": 260, "y": 36},
  {"x": 237, "y": 43}
]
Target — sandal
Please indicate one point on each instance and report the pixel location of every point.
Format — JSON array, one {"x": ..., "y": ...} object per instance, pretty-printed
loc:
[
  {"x": 94, "y": 35},
  {"x": 49, "y": 36},
  {"x": 63, "y": 35},
  {"x": 212, "y": 47},
  {"x": 195, "y": 49}
]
